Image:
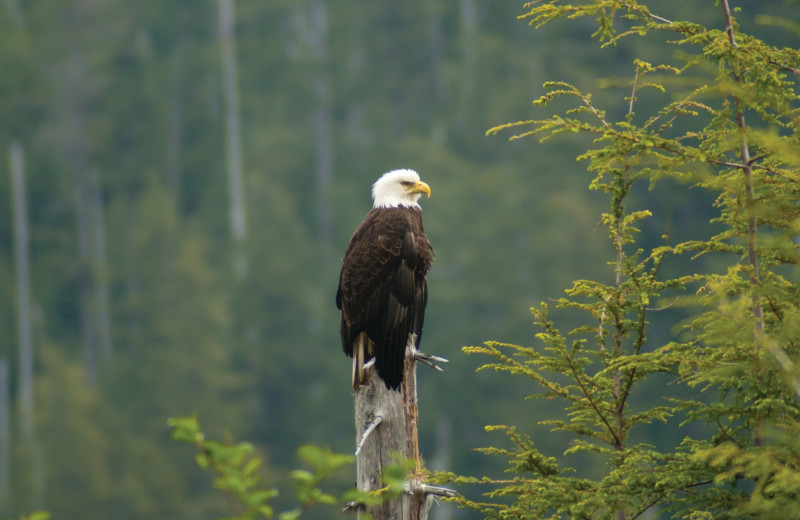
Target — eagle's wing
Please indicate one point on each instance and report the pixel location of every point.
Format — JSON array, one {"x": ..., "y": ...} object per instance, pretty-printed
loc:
[{"x": 382, "y": 289}]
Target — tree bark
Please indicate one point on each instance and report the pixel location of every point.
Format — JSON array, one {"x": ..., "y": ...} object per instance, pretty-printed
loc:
[
  {"x": 19, "y": 205},
  {"x": 232, "y": 132},
  {"x": 376, "y": 402},
  {"x": 25, "y": 377},
  {"x": 394, "y": 440}
]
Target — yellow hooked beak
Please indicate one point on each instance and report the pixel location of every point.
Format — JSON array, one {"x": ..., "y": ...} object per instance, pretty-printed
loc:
[{"x": 420, "y": 187}]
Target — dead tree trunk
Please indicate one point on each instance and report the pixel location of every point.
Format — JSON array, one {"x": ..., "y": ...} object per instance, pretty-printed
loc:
[
  {"x": 233, "y": 140},
  {"x": 22, "y": 262},
  {"x": 386, "y": 433},
  {"x": 382, "y": 410},
  {"x": 25, "y": 377}
]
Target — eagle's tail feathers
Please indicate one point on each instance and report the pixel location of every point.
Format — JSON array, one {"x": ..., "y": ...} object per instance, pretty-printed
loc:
[{"x": 360, "y": 353}]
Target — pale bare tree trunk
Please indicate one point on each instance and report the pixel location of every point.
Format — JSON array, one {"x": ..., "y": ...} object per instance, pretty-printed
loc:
[
  {"x": 386, "y": 424},
  {"x": 22, "y": 263},
  {"x": 232, "y": 131},
  {"x": 375, "y": 402}
]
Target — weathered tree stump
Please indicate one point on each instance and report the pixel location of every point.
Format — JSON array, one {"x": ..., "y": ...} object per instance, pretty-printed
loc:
[{"x": 386, "y": 433}]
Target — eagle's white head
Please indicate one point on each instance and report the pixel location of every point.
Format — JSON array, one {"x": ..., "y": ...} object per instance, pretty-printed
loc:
[{"x": 399, "y": 188}]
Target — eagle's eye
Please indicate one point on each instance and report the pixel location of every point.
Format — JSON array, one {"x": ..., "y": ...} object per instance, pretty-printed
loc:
[{"x": 405, "y": 183}]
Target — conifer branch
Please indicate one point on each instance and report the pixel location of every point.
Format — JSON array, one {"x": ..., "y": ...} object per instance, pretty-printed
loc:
[
  {"x": 638, "y": 9},
  {"x": 746, "y": 167},
  {"x": 752, "y": 225},
  {"x": 617, "y": 441}
]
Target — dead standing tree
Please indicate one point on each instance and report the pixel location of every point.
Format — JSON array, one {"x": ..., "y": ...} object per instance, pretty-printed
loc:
[
  {"x": 382, "y": 295},
  {"x": 386, "y": 428}
]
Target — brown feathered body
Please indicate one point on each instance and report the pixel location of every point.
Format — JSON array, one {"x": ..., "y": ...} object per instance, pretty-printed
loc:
[{"x": 383, "y": 290}]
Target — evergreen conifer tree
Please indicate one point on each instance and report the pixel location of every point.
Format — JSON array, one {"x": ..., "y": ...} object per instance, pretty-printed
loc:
[{"x": 723, "y": 117}]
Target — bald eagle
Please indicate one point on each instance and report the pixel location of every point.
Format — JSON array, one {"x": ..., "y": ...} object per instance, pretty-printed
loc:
[{"x": 383, "y": 288}]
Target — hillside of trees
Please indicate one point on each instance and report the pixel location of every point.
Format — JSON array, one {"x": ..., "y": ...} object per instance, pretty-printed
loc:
[{"x": 180, "y": 179}]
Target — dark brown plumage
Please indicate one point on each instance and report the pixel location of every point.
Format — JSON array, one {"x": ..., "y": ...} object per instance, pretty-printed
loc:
[{"x": 383, "y": 288}]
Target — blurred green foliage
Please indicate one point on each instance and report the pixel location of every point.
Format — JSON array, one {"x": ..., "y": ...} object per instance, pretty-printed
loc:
[{"x": 237, "y": 471}]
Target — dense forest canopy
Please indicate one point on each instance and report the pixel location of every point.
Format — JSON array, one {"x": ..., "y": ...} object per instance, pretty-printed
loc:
[{"x": 129, "y": 123}]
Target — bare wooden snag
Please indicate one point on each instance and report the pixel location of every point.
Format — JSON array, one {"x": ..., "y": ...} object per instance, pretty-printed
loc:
[{"x": 386, "y": 433}]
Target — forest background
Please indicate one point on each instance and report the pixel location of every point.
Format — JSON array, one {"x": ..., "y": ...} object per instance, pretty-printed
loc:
[{"x": 156, "y": 290}]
